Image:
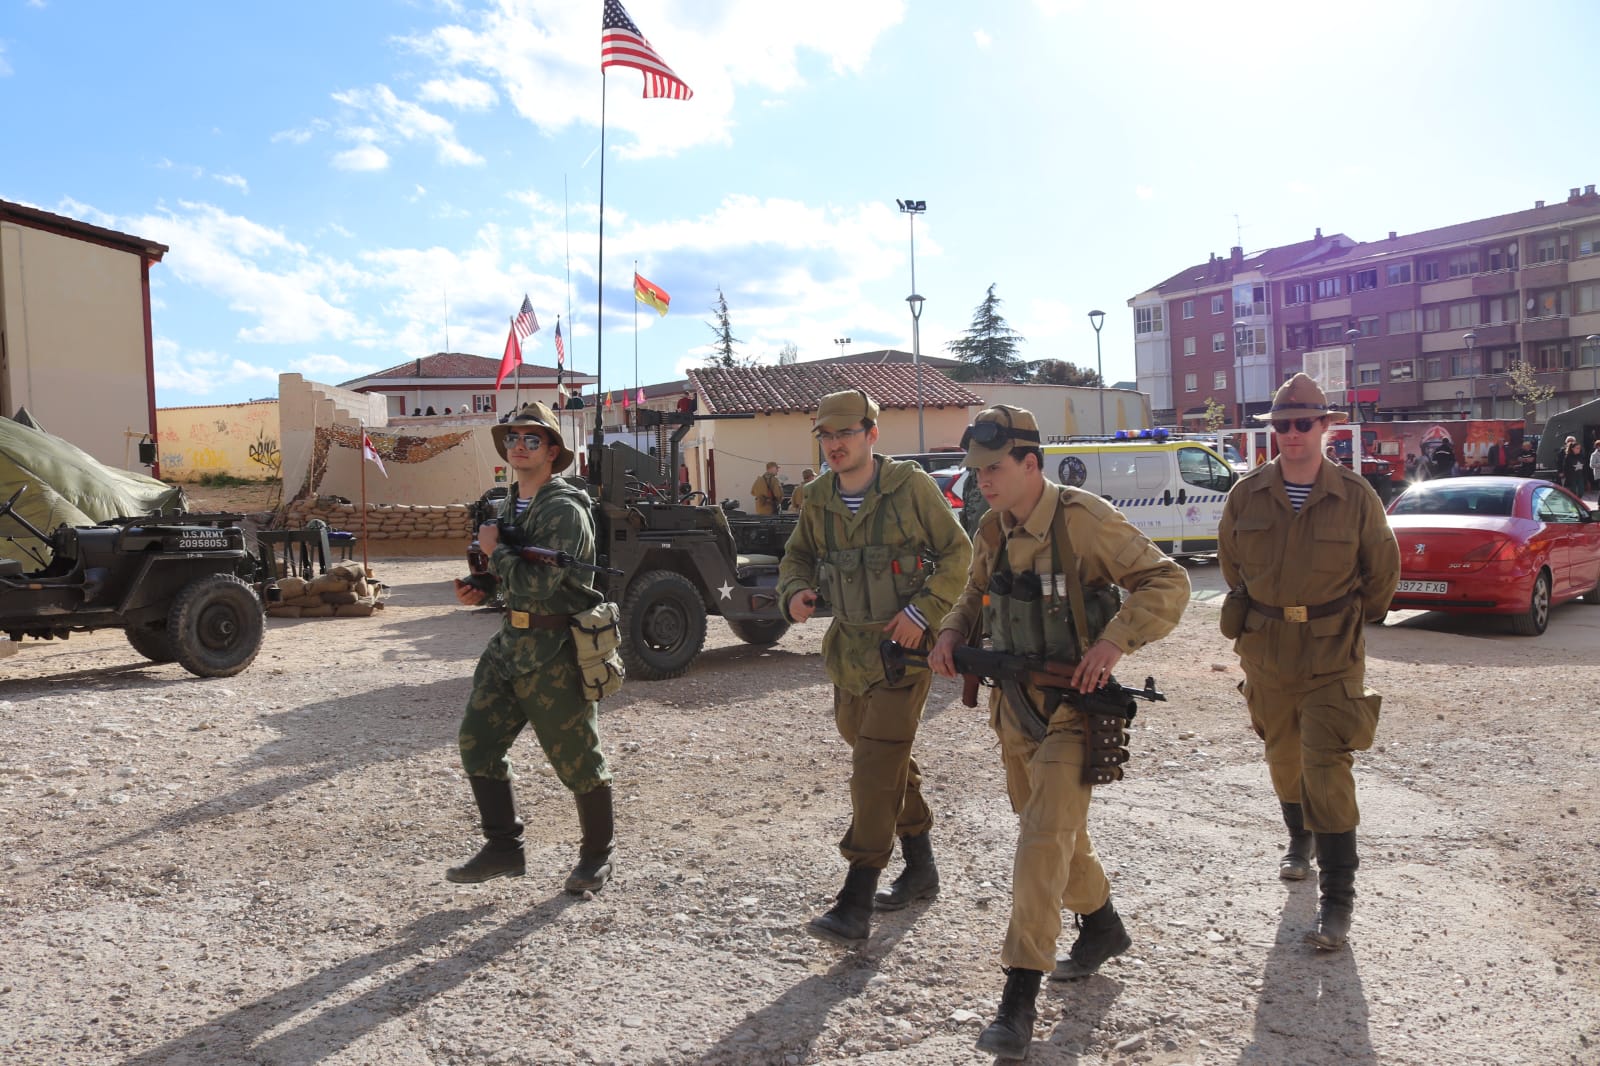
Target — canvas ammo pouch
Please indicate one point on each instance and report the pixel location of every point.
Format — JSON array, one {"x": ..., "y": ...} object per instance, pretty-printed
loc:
[
  {"x": 1235, "y": 608},
  {"x": 596, "y": 636}
]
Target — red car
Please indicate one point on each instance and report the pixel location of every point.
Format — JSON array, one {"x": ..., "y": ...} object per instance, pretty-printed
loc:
[{"x": 1495, "y": 545}]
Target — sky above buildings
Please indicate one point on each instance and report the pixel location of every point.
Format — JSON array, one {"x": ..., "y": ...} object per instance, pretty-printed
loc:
[{"x": 342, "y": 183}]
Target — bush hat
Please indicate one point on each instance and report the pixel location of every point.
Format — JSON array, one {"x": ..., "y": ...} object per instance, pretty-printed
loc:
[
  {"x": 996, "y": 431},
  {"x": 1300, "y": 397},
  {"x": 535, "y": 415},
  {"x": 841, "y": 410}
]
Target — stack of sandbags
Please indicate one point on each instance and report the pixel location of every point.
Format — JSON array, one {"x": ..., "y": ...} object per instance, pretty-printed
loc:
[
  {"x": 387, "y": 521},
  {"x": 344, "y": 591}
]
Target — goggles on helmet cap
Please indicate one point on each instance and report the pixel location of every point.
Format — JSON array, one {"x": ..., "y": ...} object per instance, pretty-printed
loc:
[{"x": 993, "y": 434}]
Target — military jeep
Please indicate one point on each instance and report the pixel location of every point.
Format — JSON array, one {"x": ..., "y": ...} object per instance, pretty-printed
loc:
[{"x": 181, "y": 593}]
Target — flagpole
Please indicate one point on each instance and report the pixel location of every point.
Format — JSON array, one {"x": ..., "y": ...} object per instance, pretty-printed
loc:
[
  {"x": 600, "y": 295},
  {"x": 362, "y": 448},
  {"x": 517, "y": 380},
  {"x": 636, "y": 334}
]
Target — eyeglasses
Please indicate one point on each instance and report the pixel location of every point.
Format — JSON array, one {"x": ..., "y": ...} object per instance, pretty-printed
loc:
[
  {"x": 1301, "y": 425},
  {"x": 992, "y": 434},
  {"x": 841, "y": 436},
  {"x": 531, "y": 440}
]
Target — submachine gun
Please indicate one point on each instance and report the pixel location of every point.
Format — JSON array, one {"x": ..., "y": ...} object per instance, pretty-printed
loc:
[
  {"x": 1108, "y": 710},
  {"x": 485, "y": 580}
]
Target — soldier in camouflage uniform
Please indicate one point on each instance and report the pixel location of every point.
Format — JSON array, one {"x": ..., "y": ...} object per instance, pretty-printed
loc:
[
  {"x": 528, "y": 675},
  {"x": 1018, "y": 590},
  {"x": 892, "y": 557}
]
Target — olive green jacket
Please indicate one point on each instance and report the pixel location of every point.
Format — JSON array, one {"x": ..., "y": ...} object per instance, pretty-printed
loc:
[{"x": 917, "y": 521}]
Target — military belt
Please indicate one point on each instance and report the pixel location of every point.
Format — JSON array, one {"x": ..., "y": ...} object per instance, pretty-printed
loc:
[
  {"x": 1303, "y": 614},
  {"x": 525, "y": 620}
]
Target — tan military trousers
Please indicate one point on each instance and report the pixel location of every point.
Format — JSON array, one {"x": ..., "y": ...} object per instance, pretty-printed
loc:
[
  {"x": 1310, "y": 738},
  {"x": 1055, "y": 865},
  {"x": 885, "y": 781}
]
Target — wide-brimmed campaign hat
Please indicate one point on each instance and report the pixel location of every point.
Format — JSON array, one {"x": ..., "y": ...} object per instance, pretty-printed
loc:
[
  {"x": 1300, "y": 397},
  {"x": 535, "y": 415},
  {"x": 996, "y": 431},
  {"x": 842, "y": 410}
]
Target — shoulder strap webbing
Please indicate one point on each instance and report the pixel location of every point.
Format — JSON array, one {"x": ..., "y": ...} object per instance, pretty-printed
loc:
[{"x": 1066, "y": 561}]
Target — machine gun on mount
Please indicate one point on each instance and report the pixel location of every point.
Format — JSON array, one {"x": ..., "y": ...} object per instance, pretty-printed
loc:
[{"x": 1108, "y": 710}]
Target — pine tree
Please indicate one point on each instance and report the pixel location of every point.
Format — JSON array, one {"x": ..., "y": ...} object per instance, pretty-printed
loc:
[
  {"x": 988, "y": 351},
  {"x": 722, "y": 351}
]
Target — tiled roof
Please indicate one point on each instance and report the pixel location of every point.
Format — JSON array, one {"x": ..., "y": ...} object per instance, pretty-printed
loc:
[
  {"x": 1220, "y": 271},
  {"x": 799, "y": 387},
  {"x": 449, "y": 365}
]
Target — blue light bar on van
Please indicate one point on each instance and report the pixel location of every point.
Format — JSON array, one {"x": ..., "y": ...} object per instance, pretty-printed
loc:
[{"x": 1121, "y": 434}]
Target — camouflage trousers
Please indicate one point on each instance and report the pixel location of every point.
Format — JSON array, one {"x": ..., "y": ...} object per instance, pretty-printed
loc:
[
  {"x": 550, "y": 700},
  {"x": 885, "y": 781}
]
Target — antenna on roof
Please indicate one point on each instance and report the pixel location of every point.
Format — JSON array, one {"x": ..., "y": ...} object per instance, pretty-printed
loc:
[
  {"x": 1238, "y": 231},
  {"x": 447, "y": 319}
]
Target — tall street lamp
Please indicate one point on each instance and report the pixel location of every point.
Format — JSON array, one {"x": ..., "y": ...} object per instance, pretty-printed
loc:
[
  {"x": 1592, "y": 341},
  {"x": 916, "y": 360},
  {"x": 1239, "y": 326},
  {"x": 1353, "y": 335},
  {"x": 841, "y": 342},
  {"x": 1461, "y": 402},
  {"x": 1098, "y": 319},
  {"x": 1471, "y": 340}
]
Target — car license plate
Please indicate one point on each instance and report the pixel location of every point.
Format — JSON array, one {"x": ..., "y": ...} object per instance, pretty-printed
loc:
[{"x": 1437, "y": 588}]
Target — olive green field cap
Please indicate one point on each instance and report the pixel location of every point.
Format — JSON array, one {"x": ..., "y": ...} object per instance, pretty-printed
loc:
[
  {"x": 996, "y": 431},
  {"x": 842, "y": 410}
]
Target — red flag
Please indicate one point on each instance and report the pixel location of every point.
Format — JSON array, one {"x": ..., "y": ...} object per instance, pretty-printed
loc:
[
  {"x": 370, "y": 453},
  {"x": 511, "y": 358},
  {"x": 650, "y": 293},
  {"x": 622, "y": 45},
  {"x": 608, "y": 399},
  {"x": 624, "y": 399}
]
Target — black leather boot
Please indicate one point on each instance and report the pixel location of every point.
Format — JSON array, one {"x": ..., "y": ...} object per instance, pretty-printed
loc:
[
  {"x": 1296, "y": 862},
  {"x": 919, "y": 880},
  {"x": 849, "y": 921},
  {"x": 1337, "y": 860},
  {"x": 502, "y": 855},
  {"x": 594, "y": 852},
  {"x": 1100, "y": 936},
  {"x": 1009, "y": 1035}
]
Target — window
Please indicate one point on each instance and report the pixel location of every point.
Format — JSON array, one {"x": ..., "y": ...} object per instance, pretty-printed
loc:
[
  {"x": 1296, "y": 292},
  {"x": 1400, "y": 321},
  {"x": 1249, "y": 300},
  {"x": 1398, "y": 274},
  {"x": 1188, "y": 309},
  {"x": 1546, "y": 359},
  {"x": 1367, "y": 374},
  {"x": 1219, "y": 379},
  {"x": 1297, "y": 337},
  {"x": 1148, "y": 320},
  {"x": 1199, "y": 467},
  {"x": 1430, "y": 270},
  {"x": 1463, "y": 365},
  {"x": 1362, "y": 280},
  {"x": 1188, "y": 346},
  {"x": 1432, "y": 369},
  {"x": 1219, "y": 342},
  {"x": 483, "y": 402},
  {"x": 1218, "y": 305},
  {"x": 1403, "y": 370},
  {"x": 1329, "y": 287},
  {"x": 1589, "y": 240},
  {"x": 1500, "y": 309},
  {"x": 1190, "y": 383},
  {"x": 1462, "y": 264},
  {"x": 1589, "y": 355},
  {"x": 1548, "y": 303},
  {"x": 1330, "y": 332},
  {"x": 1547, "y": 250},
  {"x": 1588, "y": 297},
  {"x": 1430, "y": 320},
  {"x": 1250, "y": 341},
  {"x": 1368, "y": 325},
  {"x": 1464, "y": 315}
]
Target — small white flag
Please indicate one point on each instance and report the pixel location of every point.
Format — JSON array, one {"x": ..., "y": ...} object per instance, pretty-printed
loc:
[{"x": 369, "y": 452}]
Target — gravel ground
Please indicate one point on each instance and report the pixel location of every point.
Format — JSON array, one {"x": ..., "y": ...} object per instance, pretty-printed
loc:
[{"x": 249, "y": 870}]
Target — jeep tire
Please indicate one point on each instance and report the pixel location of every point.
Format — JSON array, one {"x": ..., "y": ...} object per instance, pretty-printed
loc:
[
  {"x": 759, "y": 630},
  {"x": 663, "y": 625},
  {"x": 151, "y": 642},
  {"x": 215, "y": 626}
]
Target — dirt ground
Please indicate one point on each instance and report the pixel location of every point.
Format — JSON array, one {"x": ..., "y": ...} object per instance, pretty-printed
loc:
[{"x": 249, "y": 870}]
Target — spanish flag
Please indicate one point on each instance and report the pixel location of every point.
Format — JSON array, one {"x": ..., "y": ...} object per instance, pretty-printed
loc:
[{"x": 650, "y": 293}]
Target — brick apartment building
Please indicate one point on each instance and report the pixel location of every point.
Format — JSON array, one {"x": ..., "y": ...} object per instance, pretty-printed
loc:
[{"x": 1423, "y": 325}]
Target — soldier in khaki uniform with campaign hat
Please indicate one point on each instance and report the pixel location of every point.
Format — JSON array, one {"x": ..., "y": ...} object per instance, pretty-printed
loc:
[
  {"x": 1309, "y": 555},
  {"x": 768, "y": 491},
  {"x": 877, "y": 539},
  {"x": 1038, "y": 539},
  {"x": 528, "y": 675}
]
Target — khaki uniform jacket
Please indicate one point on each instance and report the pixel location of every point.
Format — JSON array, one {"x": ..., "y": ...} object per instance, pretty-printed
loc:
[
  {"x": 768, "y": 491},
  {"x": 1339, "y": 542},
  {"x": 920, "y": 521},
  {"x": 1109, "y": 549}
]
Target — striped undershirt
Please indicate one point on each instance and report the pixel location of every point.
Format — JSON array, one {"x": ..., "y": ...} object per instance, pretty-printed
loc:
[
  {"x": 1297, "y": 493},
  {"x": 522, "y": 505},
  {"x": 853, "y": 501}
]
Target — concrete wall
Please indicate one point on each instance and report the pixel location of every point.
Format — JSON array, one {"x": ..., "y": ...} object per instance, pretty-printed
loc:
[
  {"x": 1069, "y": 410},
  {"x": 239, "y": 439},
  {"x": 73, "y": 317}
]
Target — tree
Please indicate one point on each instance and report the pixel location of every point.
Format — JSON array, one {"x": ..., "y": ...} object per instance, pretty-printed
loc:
[
  {"x": 1526, "y": 388},
  {"x": 1216, "y": 414},
  {"x": 988, "y": 351},
  {"x": 722, "y": 351},
  {"x": 1061, "y": 372},
  {"x": 788, "y": 355}
]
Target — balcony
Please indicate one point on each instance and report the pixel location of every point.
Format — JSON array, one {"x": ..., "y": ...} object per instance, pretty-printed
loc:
[
  {"x": 1293, "y": 315},
  {"x": 1544, "y": 275},
  {"x": 1554, "y": 328},
  {"x": 1493, "y": 336},
  {"x": 1400, "y": 394},
  {"x": 1501, "y": 281}
]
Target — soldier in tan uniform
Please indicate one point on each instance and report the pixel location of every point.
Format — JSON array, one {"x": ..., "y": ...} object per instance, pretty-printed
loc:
[
  {"x": 1305, "y": 546},
  {"x": 1017, "y": 589},
  {"x": 768, "y": 491},
  {"x": 891, "y": 558}
]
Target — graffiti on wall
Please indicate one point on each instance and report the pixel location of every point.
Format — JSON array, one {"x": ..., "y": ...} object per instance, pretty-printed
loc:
[
  {"x": 265, "y": 452},
  {"x": 240, "y": 440}
]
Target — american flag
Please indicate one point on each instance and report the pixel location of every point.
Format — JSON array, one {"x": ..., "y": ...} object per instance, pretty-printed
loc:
[
  {"x": 525, "y": 323},
  {"x": 622, "y": 45},
  {"x": 561, "y": 349}
]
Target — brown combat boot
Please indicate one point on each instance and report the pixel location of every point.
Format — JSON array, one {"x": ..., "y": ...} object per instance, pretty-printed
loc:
[{"x": 502, "y": 855}]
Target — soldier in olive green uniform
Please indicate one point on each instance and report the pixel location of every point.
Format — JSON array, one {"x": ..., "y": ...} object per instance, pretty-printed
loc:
[
  {"x": 1037, "y": 539},
  {"x": 1307, "y": 543},
  {"x": 528, "y": 675},
  {"x": 892, "y": 557}
]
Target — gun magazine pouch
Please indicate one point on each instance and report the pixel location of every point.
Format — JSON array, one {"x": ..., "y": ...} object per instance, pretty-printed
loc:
[
  {"x": 1235, "y": 608},
  {"x": 1105, "y": 748},
  {"x": 596, "y": 638}
]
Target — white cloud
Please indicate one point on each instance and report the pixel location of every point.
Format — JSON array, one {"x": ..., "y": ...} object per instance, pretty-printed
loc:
[
  {"x": 1144, "y": 192},
  {"x": 464, "y": 94},
  {"x": 982, "y": 39},
  {"x": 235, "y": 180},
  {"x": 299, "y": 136},
  {"x": 361, "y": 157},
  {"x": 5, "y": 68},
  {"x": 325, "y": 367},
  {"x": 377, "y": 116}
]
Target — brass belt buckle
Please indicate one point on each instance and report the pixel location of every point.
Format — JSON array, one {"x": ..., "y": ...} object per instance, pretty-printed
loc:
[
  {"x": 519, "y": 619},
  {"x": 1294, "y": 614}
]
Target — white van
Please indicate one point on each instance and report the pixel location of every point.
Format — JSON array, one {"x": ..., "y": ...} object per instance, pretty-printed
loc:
[{"x": 1172, "y": 490}]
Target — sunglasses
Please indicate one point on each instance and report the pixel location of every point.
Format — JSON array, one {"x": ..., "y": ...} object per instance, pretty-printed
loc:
[
  {"x": 1300, "y": 425},
  {"x": 531, "y": 441},
  {"x": 842, "y": 435},
  {"x": 993, "y": 434}
]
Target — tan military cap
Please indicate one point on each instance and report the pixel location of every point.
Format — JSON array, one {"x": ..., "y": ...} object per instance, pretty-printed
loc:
[
  {"x": 841, "y": 410},
  {"x": 996, "y": 431}
]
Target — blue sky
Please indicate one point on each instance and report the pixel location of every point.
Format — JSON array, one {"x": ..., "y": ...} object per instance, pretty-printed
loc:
[{"x": 329, "y": 175}]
